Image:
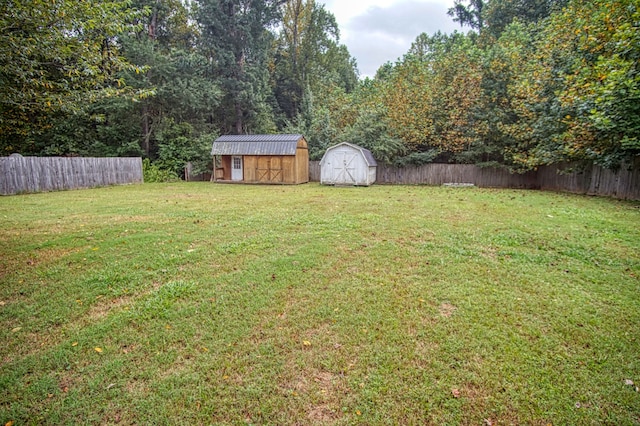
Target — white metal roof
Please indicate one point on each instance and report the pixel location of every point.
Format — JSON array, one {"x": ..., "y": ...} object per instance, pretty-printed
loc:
[{"x": 366, "y": 154}]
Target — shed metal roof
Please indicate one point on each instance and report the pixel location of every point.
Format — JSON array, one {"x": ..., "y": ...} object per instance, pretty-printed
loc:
[
  {"x": 366, "y": 154},
  {"x": 284, "y": 144}
]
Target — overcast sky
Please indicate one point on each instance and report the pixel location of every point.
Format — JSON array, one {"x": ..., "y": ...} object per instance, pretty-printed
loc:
[{"x": 377, "y": 31}]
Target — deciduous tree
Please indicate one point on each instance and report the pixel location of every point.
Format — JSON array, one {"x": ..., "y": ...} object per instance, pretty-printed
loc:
[{"x": 55, "y": 57}]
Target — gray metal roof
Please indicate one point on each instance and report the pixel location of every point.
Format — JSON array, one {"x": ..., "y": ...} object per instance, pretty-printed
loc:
[
  {"x": 284, "y": 144},
  {"x": 368, "y": 156}
]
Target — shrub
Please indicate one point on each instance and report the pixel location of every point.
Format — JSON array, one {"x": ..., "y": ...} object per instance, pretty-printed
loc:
[{"x": 156, "y": 173}]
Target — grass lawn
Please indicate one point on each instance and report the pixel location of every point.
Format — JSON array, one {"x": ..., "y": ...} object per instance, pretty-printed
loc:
[{"x": 200, "y": 303}]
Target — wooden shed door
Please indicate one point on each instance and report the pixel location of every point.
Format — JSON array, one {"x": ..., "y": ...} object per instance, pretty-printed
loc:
[
  {"x": 344, "y": 169},
  {"x": 275, "y": 170},
  {"x": 269, "y": 169}
]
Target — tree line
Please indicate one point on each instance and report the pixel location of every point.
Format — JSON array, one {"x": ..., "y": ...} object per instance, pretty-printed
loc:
[{"x": 531, "y": 83}]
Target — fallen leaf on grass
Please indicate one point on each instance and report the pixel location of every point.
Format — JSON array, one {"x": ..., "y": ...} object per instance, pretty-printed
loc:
[
  {"x": 306, "y": 343},
  {"x": 74, "y": 344},
  {"x": 15, "y": 330},
  {"x": 9, "y": 423},
  {"x": 358, "y": 413},
  {"x": 99, "y": 350},
  {"x": 455, "y": 392}
]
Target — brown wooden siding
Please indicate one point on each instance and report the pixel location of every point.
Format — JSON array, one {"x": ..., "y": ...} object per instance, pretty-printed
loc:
[
  {"x": 266, "y": 169},
  {"x": 276, "y": 168},
  {"x": 302, "y": 164},
  {"x": 226, "y": 166}
]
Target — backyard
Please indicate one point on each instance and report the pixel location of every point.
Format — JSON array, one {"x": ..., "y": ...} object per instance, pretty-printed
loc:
[{"x": 200, "y": 303}]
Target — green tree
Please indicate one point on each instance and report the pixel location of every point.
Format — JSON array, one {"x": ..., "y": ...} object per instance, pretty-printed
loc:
[
  {"x": 308, "y": 54},
  {"x": 235, "y": 37},
  {"x": 55, "y": 57},
  {"x": 601, "y": 80},
  {"x": 500, "y": 132},
  {"x": 430, "y": 94},
  {"x": 468, "y": 12},
  {"x": 500, "y": 13},
  {"x": 175, "y": 116},
  {"x": 371, "y": 130}
]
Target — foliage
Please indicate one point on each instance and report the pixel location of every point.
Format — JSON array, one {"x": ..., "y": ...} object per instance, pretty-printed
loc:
[
  {"x": 535, "y": 82},
  {"x": 500, "y": 13},
  {"x": 430, "y": 94},
  {"x": 177, "y": 147},
  {"x": 372, "y": 131},
  {"x": 235, "y": 39},
  {"x": 55, "y": 57},
  {"x": 601, "y": 40},
  {"x": 470, "y": 14},
  {"x": 316, "y": 124},
  {"x": 155, "y": 172}
]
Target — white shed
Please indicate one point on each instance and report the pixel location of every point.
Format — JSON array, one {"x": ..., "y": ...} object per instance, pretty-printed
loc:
[{"x": 347, "y": 164}]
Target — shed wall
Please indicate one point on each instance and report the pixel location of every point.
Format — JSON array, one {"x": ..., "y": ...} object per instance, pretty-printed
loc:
[
  {"x": 301, "y": 164},
  {"x": 226, "y": 165},
  {"x": 265, "y": 168},
  {"x": 345, "y": 165},
  {"x": 274, "y": 168},
  {"x": 372, "y": 175}
]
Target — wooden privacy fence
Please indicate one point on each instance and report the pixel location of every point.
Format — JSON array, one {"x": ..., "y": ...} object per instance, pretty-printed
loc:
[
  {"x": 594, "y": 180},
  {"x": 20, "y": 174}
]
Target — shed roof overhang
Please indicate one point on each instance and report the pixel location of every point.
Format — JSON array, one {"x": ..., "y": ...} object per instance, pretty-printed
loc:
[
  {"x": 256, "y": 144},
  {"x": 366, "y": 154}
]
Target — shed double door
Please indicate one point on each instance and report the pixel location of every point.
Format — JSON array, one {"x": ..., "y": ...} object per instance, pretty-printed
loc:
[
  {"x": 344, "y": 167},
  {"x": 269, "y": 169}
]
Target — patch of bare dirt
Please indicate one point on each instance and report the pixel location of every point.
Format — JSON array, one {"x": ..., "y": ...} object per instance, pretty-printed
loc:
[
  {"x": 323, "y": 413},
  {"x": 446, "y": 309}
]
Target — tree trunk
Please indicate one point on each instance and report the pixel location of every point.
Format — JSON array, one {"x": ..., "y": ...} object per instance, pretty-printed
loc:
[
  {"x": 146, "y": 130},
  {"x": 239, "y": 119}
]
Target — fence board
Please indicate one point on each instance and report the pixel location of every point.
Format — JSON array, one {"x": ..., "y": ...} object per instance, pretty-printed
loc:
[
  {"x": 593, "y": 180},
  {"x": 37, "y": 174}
]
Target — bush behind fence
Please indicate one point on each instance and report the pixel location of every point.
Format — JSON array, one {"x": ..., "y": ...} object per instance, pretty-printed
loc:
[
  {"x": 593, "y": 180},
  {"x": 20, "y": 174}
]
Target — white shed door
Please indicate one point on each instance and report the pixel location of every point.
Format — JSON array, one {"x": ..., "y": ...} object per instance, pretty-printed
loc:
[
  {"x": 345, "y": 167},
  {"x": 236, "y": 168}
]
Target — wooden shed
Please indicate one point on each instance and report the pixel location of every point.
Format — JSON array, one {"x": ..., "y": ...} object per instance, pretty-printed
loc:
[
  {"x": 347, "y": 164},
  {"x": 276, "y": 159}
]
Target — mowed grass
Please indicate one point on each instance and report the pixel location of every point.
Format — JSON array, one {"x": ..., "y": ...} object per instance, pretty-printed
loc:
[{"x": 200, "y": 303}]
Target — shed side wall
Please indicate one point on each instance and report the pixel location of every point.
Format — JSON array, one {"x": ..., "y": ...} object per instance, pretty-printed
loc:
[{"x": 301, "y": 165}]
